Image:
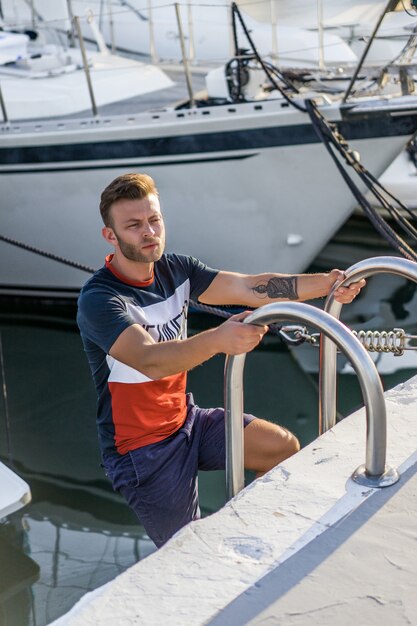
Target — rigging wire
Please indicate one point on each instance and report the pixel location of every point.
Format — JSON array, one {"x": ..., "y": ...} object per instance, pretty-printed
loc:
[
  {"x": 236, "y": 13},
  {"x": 333, "y": 140},
  {"x": 219, "y": 311}
]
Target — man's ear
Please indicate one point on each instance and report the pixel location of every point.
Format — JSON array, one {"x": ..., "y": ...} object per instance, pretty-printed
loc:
[{"x": 108, "y": 234}]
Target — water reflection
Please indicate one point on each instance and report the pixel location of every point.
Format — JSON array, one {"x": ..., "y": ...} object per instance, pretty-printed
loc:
[
  {"x": 52, "y": 555},
  {"x": 77, "y": 534},
  {"x": 17, "y": 573}
]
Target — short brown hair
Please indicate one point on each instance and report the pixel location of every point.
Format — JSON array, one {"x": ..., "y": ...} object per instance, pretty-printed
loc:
[{"x": 125, "y": 187}]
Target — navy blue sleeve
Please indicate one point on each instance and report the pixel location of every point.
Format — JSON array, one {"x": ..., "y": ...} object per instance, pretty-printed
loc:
[
  {"x": 201, "y": 276},
  {"x": 102, "y": 316}
]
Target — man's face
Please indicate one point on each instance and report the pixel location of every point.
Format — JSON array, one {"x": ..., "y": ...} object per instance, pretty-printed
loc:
[{"x": 138, "y": 229}]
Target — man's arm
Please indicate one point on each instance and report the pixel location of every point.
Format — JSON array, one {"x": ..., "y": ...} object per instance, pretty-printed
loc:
[
  {"x": 257, "y": 290},
  {"x": 137, "y": 349}
]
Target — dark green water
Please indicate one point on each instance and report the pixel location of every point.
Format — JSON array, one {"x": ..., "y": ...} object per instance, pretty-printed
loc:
[{"x": 77, "y": 534}]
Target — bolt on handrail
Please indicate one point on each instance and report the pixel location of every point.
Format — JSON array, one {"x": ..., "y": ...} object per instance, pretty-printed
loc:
[
  {"x": 375, "y": 471},
  {"x": 328, "y": 351}
]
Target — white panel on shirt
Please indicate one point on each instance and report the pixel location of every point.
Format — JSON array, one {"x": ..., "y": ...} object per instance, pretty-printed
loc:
[{"x": 164, "y": 321}]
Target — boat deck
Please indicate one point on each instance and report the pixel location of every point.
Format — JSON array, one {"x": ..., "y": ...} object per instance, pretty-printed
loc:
[{"x": 163, "y": 98}]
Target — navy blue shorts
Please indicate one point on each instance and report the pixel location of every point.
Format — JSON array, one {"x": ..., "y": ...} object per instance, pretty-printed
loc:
[{"x": 159, "y": 481}]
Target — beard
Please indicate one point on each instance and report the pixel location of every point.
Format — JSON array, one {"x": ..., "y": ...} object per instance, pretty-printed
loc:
[{"x": 134, "y": 253}]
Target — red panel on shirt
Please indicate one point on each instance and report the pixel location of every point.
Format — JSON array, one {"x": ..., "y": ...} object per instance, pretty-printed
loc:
[{"x": 145, "y": 413}]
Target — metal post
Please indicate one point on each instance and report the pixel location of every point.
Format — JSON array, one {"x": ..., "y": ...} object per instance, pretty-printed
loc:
[
  {"x": 374, "y": 473},
  {"x": 85, "y": 64},
  {"x": 233, "y": 405},
  {"x": 32, "y": 11},
  {"x": 274, "y": 41},
  {"x": 71, "y": 35},
  {"x": 230, "y": 17},
  {"x": 184, "y": 56},
  {"x": 328, "y": 369},
  {"x": 152, "y": 49},
  {"x": 191, "y": 46},
  {"x": 100, "y": 17},
  {"x": 320, "y": 33},
  {"x": 391, "y": 5},
  {"x": 111, "y": 24},
  {"x": 3, "y": 107}
]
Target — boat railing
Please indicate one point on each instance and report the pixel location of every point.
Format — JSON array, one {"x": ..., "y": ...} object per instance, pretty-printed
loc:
[
  {"x": 75, "y": 28},
  {"x": 390, "y": 6},
  {"x": 328, "y": 350},
  {"x": 76, "y": 23},
  {"x": 3, "y": 107},
  {"x": 374, "y": 472}
]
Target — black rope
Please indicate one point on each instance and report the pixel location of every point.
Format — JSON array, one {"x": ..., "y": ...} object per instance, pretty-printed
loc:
[
  {"x": 331, "y": 138},
  {"x": 48, "y": 255},
  {"x": 221, "y": 312},
  {"x": 265, "y": 66},
  {"x": 378, "y": 222},
  {"x": 333, "y": 141},
  {"x": 274, "y": 329}
]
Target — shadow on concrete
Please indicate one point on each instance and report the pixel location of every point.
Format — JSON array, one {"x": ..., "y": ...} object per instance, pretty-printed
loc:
[{"x": 284, "y": 577}]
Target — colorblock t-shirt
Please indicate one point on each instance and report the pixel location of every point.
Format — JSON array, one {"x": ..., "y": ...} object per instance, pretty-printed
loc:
[{"x": 134, "y": 410}]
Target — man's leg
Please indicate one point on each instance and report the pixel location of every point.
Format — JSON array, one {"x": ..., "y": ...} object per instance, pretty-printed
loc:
[
  {"x": 267, "y": 444},
  {"x": 165, "y": 498},
  {"x": 159, "y": 482}
]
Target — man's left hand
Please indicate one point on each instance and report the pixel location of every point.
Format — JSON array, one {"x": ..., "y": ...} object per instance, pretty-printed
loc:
[{"x": 345, "y": 294}]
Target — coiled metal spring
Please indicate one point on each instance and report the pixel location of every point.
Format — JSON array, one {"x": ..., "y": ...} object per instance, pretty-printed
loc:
[
  {"x": 383, "y": 341},
  {"x": 393, "y": 341}
]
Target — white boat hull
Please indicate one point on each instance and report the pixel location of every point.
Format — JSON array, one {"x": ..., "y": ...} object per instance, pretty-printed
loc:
[{"x": 247, "y": 187}]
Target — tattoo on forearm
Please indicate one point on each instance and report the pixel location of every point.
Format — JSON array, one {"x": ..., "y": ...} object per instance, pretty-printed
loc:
[{"x": 277, "y": 288}]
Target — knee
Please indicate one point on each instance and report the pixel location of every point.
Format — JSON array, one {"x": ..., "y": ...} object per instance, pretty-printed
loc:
[
  {"x": 292, "y": 445},
  {"x": 267, "y": 445},
  {"x": 285, "y": 446}
]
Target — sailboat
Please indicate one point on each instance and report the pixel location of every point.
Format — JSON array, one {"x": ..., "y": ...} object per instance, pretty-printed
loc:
[
  {"x": 307, "y": 31},
  {"x": 244, "y": 180},
  {"x": 149, "y": 29},
  {"x": 40, "y": 79}
]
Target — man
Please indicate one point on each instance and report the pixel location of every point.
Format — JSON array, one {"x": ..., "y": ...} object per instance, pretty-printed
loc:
[{"x": 132, "y": 316}]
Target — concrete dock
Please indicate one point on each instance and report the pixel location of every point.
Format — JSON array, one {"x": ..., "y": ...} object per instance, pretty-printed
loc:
[{"x": 303, "y": 545}]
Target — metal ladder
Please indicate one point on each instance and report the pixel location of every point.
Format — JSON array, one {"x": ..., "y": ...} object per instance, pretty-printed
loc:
[
  {"x": 327, "y": 376},
  {"x": 374, "y": 472}
]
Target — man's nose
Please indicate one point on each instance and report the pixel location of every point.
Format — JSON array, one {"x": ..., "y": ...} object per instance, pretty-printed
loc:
[{"x": 148, "y": 229}]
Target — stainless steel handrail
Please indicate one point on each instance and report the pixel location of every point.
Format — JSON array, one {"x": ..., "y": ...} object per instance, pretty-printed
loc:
[
  {"x": 374, "y": 472},
  {"x": 328, "y": 356}
]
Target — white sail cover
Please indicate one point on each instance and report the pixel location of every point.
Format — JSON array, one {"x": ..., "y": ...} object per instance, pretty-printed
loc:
[{"x": 12, "y": 47}]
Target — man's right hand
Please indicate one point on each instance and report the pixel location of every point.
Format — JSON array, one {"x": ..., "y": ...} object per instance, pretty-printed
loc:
[
  {"x": 137, "y": 349},
  {"x": 234, "y": 337}
]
